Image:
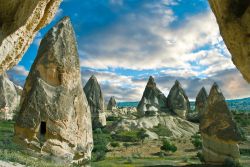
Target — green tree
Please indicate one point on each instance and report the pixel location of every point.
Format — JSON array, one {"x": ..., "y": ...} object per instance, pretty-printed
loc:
[
  {"x": 167, "y": 146},
  {"x": 196, "y": 141},
  {"x": 101, "y": 141},
  {"x": 142, "y": 135}
]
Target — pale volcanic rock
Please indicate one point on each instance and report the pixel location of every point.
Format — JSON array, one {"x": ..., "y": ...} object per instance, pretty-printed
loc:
[
  {"x": 20, "y": 20},
  {"x": 111, "y": 103},
  {"x": 178, "y": 101},
  {"x": 9, "y": 98},
  {"x": 152, "y": 101},
  {"x": 175, "y": 127},
  {"x": 95, "y": 99},
  {"x": 54, "y": 118},
  {"x": 233, "y": 17},
  {"x": 219, "y": 132}
]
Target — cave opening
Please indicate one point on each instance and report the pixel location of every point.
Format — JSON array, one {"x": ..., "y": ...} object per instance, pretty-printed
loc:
[{"x": 43, "y": 128}]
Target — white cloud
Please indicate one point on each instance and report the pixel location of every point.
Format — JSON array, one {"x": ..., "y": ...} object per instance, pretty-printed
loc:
[
  {"x": 122, "y": 87},
  {"x": 37, "y": 39},
  {"x": 151, "y": 42},
  {"x": 128, "y": 88},
  {"x": 18, "y": 74},
  {"x": 19, "y": 70}
]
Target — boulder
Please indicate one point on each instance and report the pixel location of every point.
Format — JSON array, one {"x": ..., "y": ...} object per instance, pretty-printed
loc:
[
  {"x": 9, "y": 98},
  {"x": 20, "y": 20},
  {"x": 178, "y": 101},
  {"x": 111, "y": 104},
  {"x": 95, "y": 99},
  {"x": 219, "y": 132},
  {"x": 54, "y": 118},
  {"x": 201, "y": 102},
  {"x": 233, "y": 17},
  {"x": 152, "y": 101}
]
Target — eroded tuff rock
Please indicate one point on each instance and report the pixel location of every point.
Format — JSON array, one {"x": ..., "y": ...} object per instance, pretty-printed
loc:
[
  {"x": 175, "y": 127},
  {"x": 153, "y": 100},
  {"x": 9, "y": 98},
  {"x": 219, "y": 132},
  {"x": 122, "y": 112},
  {"x": 233, "y": 17},
  {"x": 112, "y": 103},
  {"x": 200, "y": 102},
  {"x": 178, "y": 101},
  {"x": 54, "y": 118},
  {"x": 94, "y": 96},
  {"x": 19, "y": 22}
]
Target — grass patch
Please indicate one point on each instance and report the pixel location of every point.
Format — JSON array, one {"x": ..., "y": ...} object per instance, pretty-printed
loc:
[
  {"x": 161, "y": 130},
  {"x": 126, "y": 136}
]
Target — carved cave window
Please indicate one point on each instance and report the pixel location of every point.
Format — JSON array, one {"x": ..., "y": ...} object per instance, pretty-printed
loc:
[{"x": 43, "y": 128}]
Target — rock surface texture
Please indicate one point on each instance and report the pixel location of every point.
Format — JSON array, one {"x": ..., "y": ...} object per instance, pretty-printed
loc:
[
  {"x": 219, "y": 132},
  {"x": 175, "y": 127},
  {"x": 9, "y": 98},
  {"x": 200, "y": 102},
  {"x": 152, "y": 101},
  {"x": 95, "y": 99},
  {"x": 112, "y": 103},
  {"x": 20, "y": 20},
  {"x": 233, "y": 17},
  {"x": 178, "y": 101},
  {"x": 54, "y": 118}
]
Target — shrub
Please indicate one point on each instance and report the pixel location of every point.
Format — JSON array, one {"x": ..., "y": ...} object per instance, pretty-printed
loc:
[
  {"x": 196, "y": 141},
  {"x": 167, "y": 146},
  {"x": 115, "y": 144},
  {"x": 98, "y": 156},
  {"x": 113, "y": 118},
  {"x": 101, "y": 141},
  {"x": 126, "y": 136},
  {"x": 200, "y": 156},
  {"x": 141, "y": 134},
  {"x": 229, "y": 162},
  {"x": 126, "y": 145}
]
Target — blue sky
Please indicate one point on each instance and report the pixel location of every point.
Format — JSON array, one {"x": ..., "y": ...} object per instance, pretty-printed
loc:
[{"x": 123, "y": 42}]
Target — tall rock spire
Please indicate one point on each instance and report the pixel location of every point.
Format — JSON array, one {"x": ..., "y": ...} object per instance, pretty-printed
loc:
[
  {"x": 95, "y": 99},
  {"x": 111, "y": 103},
  {"x": 178, "y": 101},
  {"x": 219, "y": 132},
  {"x": 153, "y": 100},
  {"x": 54, "y": 117},
  {"x": 201, "y": 102}
]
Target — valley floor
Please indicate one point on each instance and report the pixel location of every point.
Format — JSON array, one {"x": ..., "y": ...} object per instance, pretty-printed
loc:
[{"x": 126, "y": 154}]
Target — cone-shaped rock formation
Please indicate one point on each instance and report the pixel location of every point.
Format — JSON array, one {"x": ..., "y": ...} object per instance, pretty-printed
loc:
[
  {"x": 219, "y": 132},
  {"x": 153, "y": 100},
  {"x": 54, "y": 118},
  {"x": 178, "y": 101},
  {"x": 112, "y": 103},
  {"x": 94, "y": 96},
  {"x": 200, "y": 102}
]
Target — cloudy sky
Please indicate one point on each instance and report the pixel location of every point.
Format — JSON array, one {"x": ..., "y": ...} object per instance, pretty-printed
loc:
[{"x": 123, "y": 42}]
